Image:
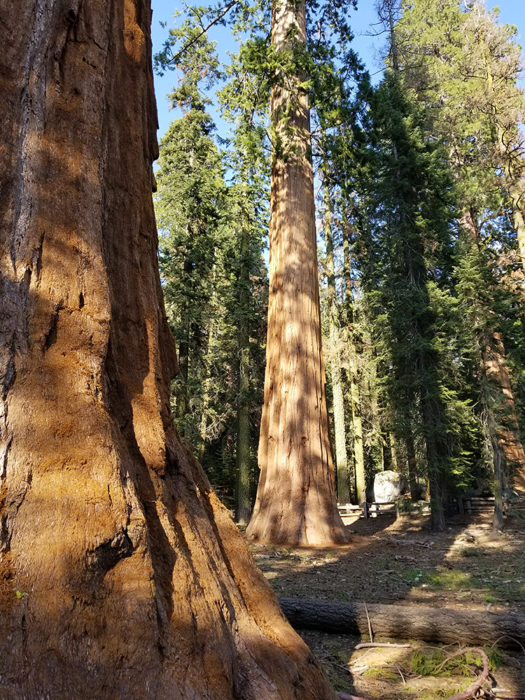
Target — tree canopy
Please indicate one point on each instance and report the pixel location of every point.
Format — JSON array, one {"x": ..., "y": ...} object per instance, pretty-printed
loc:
[{"x": 420, "y": 196}]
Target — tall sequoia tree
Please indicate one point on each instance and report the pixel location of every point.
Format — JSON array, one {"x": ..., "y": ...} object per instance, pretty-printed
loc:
[
  {"x": 296, "y": 499},
  {"x": 121, "y": 575}
]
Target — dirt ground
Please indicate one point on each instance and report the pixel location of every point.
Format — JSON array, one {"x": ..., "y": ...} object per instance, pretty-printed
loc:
[{"x": 399, "y": 561}]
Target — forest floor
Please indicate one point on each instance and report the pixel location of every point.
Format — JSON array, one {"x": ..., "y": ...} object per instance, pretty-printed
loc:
[{"x": 400, "y": 561}]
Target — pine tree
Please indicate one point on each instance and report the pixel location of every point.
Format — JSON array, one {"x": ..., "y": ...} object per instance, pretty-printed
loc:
[
  {"x": 248, "y": 221},
  {"x": 464, "y": 68},
  {"x": 214, "y": 275},
  {"x": 334, "y": 344},
  {"x": 244, "y": 105},
  {"x": 189, "y": 204},
  {"x": 469, "y": 81},
  {"x": 410, "y": 229},
  {"x": 341, "y": 161}
]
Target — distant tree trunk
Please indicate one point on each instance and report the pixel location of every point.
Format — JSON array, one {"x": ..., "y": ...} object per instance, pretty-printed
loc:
[
  {"x": 181, "y": 405},
  {"x": 243, "y": 500},
  {"x": 206, "y": 391},
  {"x": 357, "y": 424},
  {"x": 435, "y": 451},
  {"x": 393, "y": 448},
  {"x": 517, "y": 201},
  {"x": 412, "y": 466},
  {"x": 388, "y": 464},
  {"x": 296, "y": 499},
  {"x": 343, "y": 476},
  {"x": 355, "y": 399},
  {"x": 121, "y": 575},
  {"x": 378, "y": 455},
  {"x": 497, "y": 522},
  {"x": 341, "y": 460},
  {"x": 495, "y": 368}
]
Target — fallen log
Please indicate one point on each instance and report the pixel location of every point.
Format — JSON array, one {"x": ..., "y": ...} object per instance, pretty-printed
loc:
[{"x": 444, "y": 625}]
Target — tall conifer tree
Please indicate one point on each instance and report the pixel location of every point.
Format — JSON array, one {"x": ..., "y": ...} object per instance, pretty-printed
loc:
[
  {"x": 463, "y": 67},
  {"x": 296, "y": 499},
  {"x": 121, "y": 574}
]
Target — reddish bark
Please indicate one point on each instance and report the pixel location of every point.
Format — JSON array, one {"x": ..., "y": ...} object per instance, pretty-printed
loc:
[
  {"x": 296, "y": 499},
  {"x": 121, "y": 574}
]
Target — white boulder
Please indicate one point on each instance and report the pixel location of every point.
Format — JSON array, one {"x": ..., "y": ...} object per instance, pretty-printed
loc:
[{"x": 387, "y": 486}]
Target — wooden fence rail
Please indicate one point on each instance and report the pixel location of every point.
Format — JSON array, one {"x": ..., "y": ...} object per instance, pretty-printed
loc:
[{"x": 464, "y": 504}]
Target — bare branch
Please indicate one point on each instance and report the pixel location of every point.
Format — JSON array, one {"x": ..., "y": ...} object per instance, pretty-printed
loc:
[{"x": 221, "y": 14}]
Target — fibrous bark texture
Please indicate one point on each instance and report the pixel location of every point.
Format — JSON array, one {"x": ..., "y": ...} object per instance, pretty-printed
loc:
[
  {"x": 296, "y": 499},
  {"x": 121, "y": 576},
  {"x": 407, "y": 622}
]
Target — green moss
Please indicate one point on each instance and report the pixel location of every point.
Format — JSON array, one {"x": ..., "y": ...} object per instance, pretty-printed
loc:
[
  {"x": 443, "y": 692},
  {"x": 379, "y": 673},
  {"x": 437, "y": 664},
  {"x": 415, "y": 576},
  {"x": 450, "y": 580},
  {"x": 496, "y": 658},
  {"x": 427, "y": 664}
]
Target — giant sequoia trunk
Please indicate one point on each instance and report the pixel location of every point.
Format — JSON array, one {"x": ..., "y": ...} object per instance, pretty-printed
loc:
[
  {"x": 296, "y": 500},
  {"x": 121, "y": 575}
]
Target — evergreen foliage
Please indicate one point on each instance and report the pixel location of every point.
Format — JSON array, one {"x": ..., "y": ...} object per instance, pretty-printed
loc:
[
  {"x": 421, "y": 194},
  {"x": 211, "y": 213},
  {"x": 463, "y": 67}
]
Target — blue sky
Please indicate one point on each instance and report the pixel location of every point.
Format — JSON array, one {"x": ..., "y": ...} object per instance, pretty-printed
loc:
[{"x": 511, "y": 12}]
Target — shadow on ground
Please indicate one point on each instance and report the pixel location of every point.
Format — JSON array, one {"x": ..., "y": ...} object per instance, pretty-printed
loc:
[{"x": 400, "y": 561}]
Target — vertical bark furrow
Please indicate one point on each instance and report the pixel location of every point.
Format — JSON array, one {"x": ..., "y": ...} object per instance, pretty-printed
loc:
[
  {"x": 296, "y": 502},
  {"x": 115, "y": 580}
]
